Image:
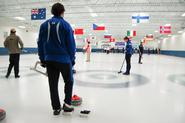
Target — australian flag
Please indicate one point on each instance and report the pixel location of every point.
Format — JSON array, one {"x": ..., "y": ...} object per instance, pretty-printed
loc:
[{"x": 38, "y": 14}]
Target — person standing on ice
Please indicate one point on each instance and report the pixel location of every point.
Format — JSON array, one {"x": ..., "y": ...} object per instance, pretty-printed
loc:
[
  {"x": 14, "y": 45},
  {"x": 88, "y": 51},
  {"x": 141, "y": 50},
  {"x": 56, "y": 48},
  {"x": 128, "y": 55}
]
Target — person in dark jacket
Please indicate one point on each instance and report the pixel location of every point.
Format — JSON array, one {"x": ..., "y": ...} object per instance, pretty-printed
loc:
[
  {"x": 56, "y": 47},
  {"x": 14, "y": 45},
  {"x": 128, "y": 54},
  {"x": 141, "y": 49}
]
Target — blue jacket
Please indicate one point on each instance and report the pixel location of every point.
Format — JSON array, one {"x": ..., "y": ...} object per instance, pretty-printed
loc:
[
  {"x": 56, "y": 41},
  {"x": 129, "y": 49}
]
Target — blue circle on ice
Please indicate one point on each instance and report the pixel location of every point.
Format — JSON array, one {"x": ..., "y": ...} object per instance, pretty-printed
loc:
[{"x": 108, "y": 79}]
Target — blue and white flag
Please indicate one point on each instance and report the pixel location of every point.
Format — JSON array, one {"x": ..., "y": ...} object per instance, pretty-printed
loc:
[
  {"x": 140, "y": 18},
  {"x": 38, "y": 14}
]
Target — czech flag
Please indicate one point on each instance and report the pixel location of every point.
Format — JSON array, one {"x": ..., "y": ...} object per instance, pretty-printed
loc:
[
  {"x": 79, "y": 31},
  {"x": 98, "y": 27}
]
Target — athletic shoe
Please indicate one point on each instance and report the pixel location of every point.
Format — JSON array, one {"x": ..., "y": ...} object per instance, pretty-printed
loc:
[
  {"x": 17, "y": 76},
  {"x": 67, "y": 108},
  {"x": 6, "y": 76},
  {"x": 57, "y": 112},
  {"x": 126, "y": 73}
]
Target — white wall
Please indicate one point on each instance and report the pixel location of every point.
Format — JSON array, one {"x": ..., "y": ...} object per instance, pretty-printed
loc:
[
  {"x": 152, "y": 44},
  {"x": 176, "y": 42},
  {"x": 29, "y": 38}
]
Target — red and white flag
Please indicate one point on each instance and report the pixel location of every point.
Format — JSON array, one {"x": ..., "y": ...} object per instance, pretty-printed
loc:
[
  {"x": 107, "y": 35},
  {"x": 166, "y": 29},
  {"x": 149, "y": 37},
  {"x": 79, "y": 31}
]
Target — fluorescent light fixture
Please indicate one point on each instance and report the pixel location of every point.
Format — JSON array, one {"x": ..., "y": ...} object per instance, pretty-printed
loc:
[
  {"x": 19, "y": 18},
  {"x": 22, "y": 27},
  {"x": 180, "y": 31},
  {"x": 167, "y": 24},
  {"x": 169, "y": 35},
  {"x": 134, "y": 24},
  {"x": 156, "y": 31},
  {"x": 183, "y": 15},
  {"x": 90, "y": 34},
  {"x": 94, "y": 15}
]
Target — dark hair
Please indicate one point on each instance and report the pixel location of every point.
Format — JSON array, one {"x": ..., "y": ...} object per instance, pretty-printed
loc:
[
  {"x": 57, "y": 9},
  {"x": 12, "y": 32},
  {"x": 126, "y": 38}
]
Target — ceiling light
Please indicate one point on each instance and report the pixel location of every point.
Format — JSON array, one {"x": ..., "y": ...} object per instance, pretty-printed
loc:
[
  {"x": 156, "y": 31},
  {"x": 183, "y": 15},
  {"x": 94, "y": 15},
  {"x": 22, "y": 27},
  {"x": 169, "y": 35},
  {"x": 167, "y": 24},
  {"x": 134, "y": 24},
  {"x": 19, "y": 18}
]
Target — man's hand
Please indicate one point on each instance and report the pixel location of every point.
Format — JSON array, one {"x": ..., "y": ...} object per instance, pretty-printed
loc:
[{"x": 43, "y": 64}]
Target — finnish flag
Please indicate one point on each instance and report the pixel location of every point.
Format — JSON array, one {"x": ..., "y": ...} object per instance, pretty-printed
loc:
[{"x": 140, "y": 18}]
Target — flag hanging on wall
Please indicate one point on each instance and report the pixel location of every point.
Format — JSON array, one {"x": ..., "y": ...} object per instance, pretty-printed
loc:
[
  {"x": 140, "y": 18},
  {"x": 149, "y": 37},
  {"x": 107, "y": 35},
  {"x": 112, "y": 39},
  {"x": 38, "y": 14},
  {"x": 131, "y": 33},
  {"x": 79, "y": 31},
  {"x": 98, "y": 27},
  {"x": 166, "y": 29}
]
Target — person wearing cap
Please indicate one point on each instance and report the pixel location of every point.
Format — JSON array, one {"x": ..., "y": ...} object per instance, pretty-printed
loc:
[
  {"x": 128, "y": 54},
  {"x": 14, "y": 45},
  {"x": 141, "y": 50},
  {"x": 56, "y": 49}
]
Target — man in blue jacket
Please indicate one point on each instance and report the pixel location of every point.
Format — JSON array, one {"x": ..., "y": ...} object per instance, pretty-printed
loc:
[
  {"x": 56, "y": 47},
  {"x": 128, "y": 54}
]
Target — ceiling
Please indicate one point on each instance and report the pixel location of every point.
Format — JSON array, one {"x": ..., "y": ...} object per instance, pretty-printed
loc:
[{"x": 114, "y": 14}]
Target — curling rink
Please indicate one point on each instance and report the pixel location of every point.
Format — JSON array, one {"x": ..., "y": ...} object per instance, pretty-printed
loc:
[
  {"x": 153, "y": 93},
  {"x": 106, "y": 31}
]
